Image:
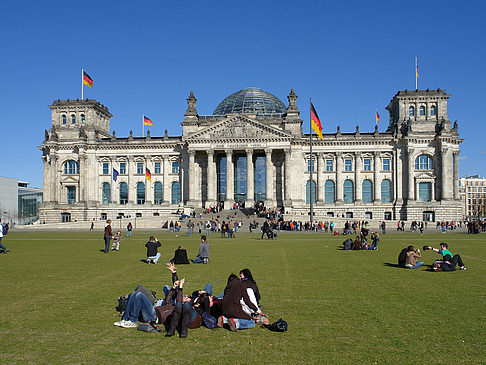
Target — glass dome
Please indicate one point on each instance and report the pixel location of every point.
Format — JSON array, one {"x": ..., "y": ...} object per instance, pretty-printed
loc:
[{"x": 251, "y": 101}]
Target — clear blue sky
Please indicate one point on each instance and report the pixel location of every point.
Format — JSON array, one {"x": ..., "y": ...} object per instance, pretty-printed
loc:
[{"x": 146, "y": 56}]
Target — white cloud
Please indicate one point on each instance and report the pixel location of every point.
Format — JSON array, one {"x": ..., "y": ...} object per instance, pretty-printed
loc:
[{"x": 462, "y": 158}]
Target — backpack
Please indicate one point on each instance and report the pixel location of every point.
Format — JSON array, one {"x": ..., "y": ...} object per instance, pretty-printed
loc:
[
  {"x": 209, "y": 321},
  {"x": 279, "y": 326},
  {"x": 347, "y": 244},
  {"x": 402, "y": 258}
]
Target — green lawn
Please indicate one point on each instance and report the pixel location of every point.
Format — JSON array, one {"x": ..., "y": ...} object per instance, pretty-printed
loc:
[{"x": 58, "y": 292}]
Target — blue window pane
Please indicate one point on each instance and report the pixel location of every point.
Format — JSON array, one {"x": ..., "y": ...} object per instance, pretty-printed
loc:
[
  {"x": 123, "y": 168},
  {"x": 386, "y": 164},
  {"x": 157, "y": 168},
  {"x": 348, "y": 191},
  {"x": 260, "y": 178},
  {"x": 158, "y": 193},
  {"x": 411, "y": 111},
  {"x": 175, "y": 167},
  {"x": 240, "y": 178},
  {"x": 123, "y": 193},
  {"x": 140, "y": 193},
  {"x": 329, "y": 192},
  {"x": 71, "y": 194},
  {"x": 73, "y": 119},
  {"x": 139, "y": 168},
  {"x": 329, "y": 165},
  {"x": 348, "y": 165},
  {"x": 106, "y": 194},
  {"x": 105, "y": 168},
  {"x": 425, "y": 192},
  {"x": 221, "y": 172},
  {"x": 367, "y": 164},
  {"x": 367, "y": 191},
  {"x": 386, "y": 195},
  {"x": 176, "y": 193},
  {"x": 307, "y": 192}
]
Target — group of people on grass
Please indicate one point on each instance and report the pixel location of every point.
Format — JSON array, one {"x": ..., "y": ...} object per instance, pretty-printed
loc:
[
  {"x": 233, "y": 309},
  {"x": 408, "y": 258}
]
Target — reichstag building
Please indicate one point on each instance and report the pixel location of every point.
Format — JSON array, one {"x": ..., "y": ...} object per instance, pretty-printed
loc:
[{"x": 253, "y": 149}]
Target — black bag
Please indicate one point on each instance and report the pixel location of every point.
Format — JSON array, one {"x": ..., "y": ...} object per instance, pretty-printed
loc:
[
  {"x": 402, "y": 258},
  {"x": 348, "y": 244},
  {"x": 122, "y": 304},
  {"x": 279, "y": 326}
]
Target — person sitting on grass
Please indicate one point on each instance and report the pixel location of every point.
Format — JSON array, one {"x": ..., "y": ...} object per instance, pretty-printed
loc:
[
  {"x": 448, "y": 262},
  {"x": 375, "y": 238},
  {"x": 232, "y": 311},
  {"x": 115, "y": 246},
  {"x": 180, "y": 256},
  {"x": 152, "y": 250},
  {"x": 252, "y": 290},
  {"x": 203, "y": 255},
  {"x": 411, "y": 261}
]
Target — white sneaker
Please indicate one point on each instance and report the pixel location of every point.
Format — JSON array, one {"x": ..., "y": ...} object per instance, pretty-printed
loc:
[
  {"x": 119, "y": 323},
  {"x": 128, "y": 324}
]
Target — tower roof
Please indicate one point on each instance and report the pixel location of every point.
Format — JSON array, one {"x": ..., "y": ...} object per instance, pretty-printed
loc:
[{"x": 250, "y": 101}]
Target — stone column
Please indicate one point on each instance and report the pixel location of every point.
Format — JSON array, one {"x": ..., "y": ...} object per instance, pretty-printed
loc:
[
  {"x": 288, "y": 174},
  {"x": 410, "y": 173},
  {"x": 191, "y": 176},
  {"x": 455, "y": 157},
  {"x": 211, "y": 178},
  {"x": 376, "y": 182},
  {"x": 166, "y": 188},
  {"x": 46, "y": 182},
  {"x": 320, "y": 178},
  {"x": 250, "y": 180},
  {"x": 230, "y": 181},
  {"x": 339, "y": 178},
  {"x": 55, "y": 185},
  {"x": 358, "y": 165},
  {"x": 269, "y": 191},
  {"x": 447, "y": 174}
]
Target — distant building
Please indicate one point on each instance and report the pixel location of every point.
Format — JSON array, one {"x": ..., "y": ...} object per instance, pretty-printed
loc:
[
  {"x": 253, "y": 149},
  {"x": 474, "y": 196},
  {"x": 19, "y": 203}
]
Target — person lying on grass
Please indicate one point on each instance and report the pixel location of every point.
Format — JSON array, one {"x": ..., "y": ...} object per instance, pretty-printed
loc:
[{"x": 448, "y": 262}]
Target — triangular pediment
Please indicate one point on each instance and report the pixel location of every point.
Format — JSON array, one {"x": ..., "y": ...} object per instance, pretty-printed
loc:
[
  {"x": 70, "y": 179},
  {"x": 239, "y": 127},
  {"x": 425, "y": 176}
]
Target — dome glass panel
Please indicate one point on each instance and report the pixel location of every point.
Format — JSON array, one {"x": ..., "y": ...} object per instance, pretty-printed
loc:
[{"x": 251, "y": 101}]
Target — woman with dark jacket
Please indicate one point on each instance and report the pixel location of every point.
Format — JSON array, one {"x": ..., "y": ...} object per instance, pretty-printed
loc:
[
  {"x": 231, "y": 308},
  {"x": 251, "y": 286}
]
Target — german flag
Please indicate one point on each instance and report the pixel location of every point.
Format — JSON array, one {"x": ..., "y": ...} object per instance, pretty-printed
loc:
[
  {"x": 87, "y": 80},
  {"x": 148, "y": 175},
  {"x": 147, "y": 121},
  {"x": 377, "y": 117},
  {"x": 316, "y": 123}
]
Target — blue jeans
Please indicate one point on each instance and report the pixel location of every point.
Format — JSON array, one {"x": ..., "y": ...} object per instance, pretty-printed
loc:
[
  {"x": 189, "y": 231},
  {"x": 242, "y": 324},
  {"x": 209, "y": 288},
  {"x": 198, "y": 260},
  {"x": 139, "y": 302},
  {"x": 155, "y": 258},
  {"x": 208, "y": 232},
  {"x": 129, "y": 233},
  {"x": 186, "y": 306},
  {"x": 2, "y": 246},
  {"x": 416, "y": 266}
]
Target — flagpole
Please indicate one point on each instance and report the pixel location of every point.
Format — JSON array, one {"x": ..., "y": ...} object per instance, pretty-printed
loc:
[
  {"x": 111, "y": 196},
  {"x": 82, "y": 84},
  {"x": 311, "y": 166},
  {"x": 416, "y": 86},
  {"x": 143, "y": 127}
]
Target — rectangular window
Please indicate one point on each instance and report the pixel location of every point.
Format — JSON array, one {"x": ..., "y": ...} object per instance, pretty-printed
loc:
[
  {"x": 474, "y": 190},
  {"x": 310, "y": 165},
  {"x": 175, "y": 167},
  {"x": 386, "y": 164},
  {"x": 367, "y": 164},
  {"x": 139, "y": 168},
  {"x": 71, "y": 194},
  {"x": 329, "y": 165},
  {"x": 348, "y": 165},
  {"x": 425, "y": 192},
  {"x": 157, "y": 168},
  {"x": 105, "y": 168},
  {"x": 123, "y": 168}
]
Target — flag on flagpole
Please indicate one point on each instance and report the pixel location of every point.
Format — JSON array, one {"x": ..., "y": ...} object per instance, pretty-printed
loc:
[
  {"x": 316, "y": 123},
  {"x": 416, "y": 70},
  {"x": 377, "y": 117},
  {"x": 147, "y": 121},
  {"x": 87, "y": 80},
  {"x": 148, "y": 175},
  {"x": 115, "y": 174}
]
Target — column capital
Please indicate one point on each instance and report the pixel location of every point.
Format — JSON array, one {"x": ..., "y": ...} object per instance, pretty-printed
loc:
[
  {"x": 249, "y": 151},
  {"x": 210, "y": 152},
  {"x": 376, "y": 153},
  {"x": 268, "y": 151},
  {"x": 339, "y": 154},
  {"x": 228, "y": 152},
  {"x": 191, "y": 153}
]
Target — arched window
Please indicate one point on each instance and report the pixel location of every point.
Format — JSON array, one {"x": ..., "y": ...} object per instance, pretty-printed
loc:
[
  {"x": 425, "y": 192},
  {"x": 64, "y": 119},
  {"x": 73, "y": 118},
  {"x": 71, "y": 167},
  {"x": 367, "y": 191},
  {"x": 83, "y": 118},
  {"x": 105, "y": 193},
  {"x": 422, "y": 110},
  {"x": 424, "y": 162},
  {"x": 176, "y": 193},
  {"x": 433, "y": 110},
  {"x": 308, "y": 191},
  {"x": 411, "y": 111},
  {"x": 329, "y": 192},
  {"x": 140, "y": 193},
  {"x": 158, "y": 193},
  {"x": 123, "y": 193},
  {"x": 348, "y": 191},
  {"x": 386, "y": 193}
]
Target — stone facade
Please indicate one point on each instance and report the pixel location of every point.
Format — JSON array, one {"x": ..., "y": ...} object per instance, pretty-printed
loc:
[{"x": 409, "y": 171}]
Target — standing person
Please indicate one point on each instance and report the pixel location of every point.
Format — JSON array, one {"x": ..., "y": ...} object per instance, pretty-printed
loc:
[
  {"x": 92, "y": 225},
  {"x": 129, "y": 229},
  {"x": 152, "y": 250},
  {"x": 2, "y": 229},
  {"x": 108, "y": 235},
  {"x": 115, "y": 246},
  {"x": 189, "y": 228},
  {"x": 203, "y": 255}
]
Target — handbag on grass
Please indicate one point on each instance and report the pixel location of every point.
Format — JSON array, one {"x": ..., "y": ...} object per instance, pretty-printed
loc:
[{"x": 261, "y": 318}]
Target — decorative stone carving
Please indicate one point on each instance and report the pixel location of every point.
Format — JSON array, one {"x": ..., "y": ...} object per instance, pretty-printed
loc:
[
  {"x": 191, "y": 105},
  {"x": 292, "y": 98},
  {"x": 46, "y": 135},
  {"x": 130, "y": 137},
  {"x": 166, "y": 134},
  {"x": 82, "y": 133},
  {"x": 239, "y": 128},
  {"x": 338, "y": 131}
]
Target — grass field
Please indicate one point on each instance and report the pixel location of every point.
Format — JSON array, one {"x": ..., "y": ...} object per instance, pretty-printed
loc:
[{"x": 58, "y": 292}]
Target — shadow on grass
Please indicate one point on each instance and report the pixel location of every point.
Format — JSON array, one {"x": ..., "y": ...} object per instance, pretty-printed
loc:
[{"x": 389, "y": 264}]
